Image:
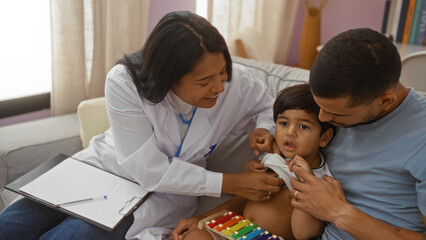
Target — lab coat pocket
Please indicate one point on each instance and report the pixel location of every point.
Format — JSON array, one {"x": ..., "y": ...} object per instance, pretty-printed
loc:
[{"x": 200, "y": 157}]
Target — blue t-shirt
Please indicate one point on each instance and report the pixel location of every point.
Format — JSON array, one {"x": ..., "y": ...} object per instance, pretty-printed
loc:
[{"x": 382, "y": 167}]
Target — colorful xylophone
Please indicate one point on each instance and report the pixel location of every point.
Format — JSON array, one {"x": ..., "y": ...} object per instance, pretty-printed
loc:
[{"x": 234, "y": 227}]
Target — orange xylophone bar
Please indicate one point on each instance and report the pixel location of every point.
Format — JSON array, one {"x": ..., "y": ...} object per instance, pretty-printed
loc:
[
  {"x": 236, "y": 227},
  {"x": 229, "y": 223}
]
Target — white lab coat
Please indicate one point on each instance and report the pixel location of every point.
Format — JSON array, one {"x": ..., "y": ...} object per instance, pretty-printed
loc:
[{"x": 144, "y": 137}]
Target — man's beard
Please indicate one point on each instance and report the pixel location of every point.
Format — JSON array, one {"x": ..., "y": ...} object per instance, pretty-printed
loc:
[{"x": 370, "y": 118}]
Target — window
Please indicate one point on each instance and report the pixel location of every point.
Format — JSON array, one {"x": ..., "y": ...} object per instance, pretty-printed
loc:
[
  {"x": 25, "y": 49},
  {"x": 202, "y": 7}
]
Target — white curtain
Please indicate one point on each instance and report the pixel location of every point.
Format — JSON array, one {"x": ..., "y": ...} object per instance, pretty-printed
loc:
[
  {"x": 265, "y": 26},
  {"x": 88, "y": 37}
]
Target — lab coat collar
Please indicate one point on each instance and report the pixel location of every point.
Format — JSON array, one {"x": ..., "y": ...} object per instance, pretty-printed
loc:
[{"x": 199, "y": 126}]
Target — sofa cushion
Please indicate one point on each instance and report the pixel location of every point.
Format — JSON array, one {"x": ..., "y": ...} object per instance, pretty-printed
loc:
[
  {"x": 276, "y": 76},
  {"x": 26, "y": 145}
]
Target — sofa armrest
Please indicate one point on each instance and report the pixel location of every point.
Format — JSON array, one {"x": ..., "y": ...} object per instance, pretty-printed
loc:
[{"x": 93, "y": 119}]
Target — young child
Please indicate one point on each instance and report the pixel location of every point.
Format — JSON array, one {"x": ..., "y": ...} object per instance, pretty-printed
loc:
[{"x": 299, "y": 136}]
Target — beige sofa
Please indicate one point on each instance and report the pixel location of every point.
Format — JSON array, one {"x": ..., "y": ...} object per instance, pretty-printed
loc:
[{"x": 26, "y": 145}]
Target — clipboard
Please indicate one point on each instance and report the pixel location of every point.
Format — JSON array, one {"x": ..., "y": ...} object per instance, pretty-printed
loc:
[{"x": 62, "y": 183}]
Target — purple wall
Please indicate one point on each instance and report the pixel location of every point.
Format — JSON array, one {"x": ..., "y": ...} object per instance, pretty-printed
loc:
[
  {"x": 158, "y": 8},
  {"x": 339, "y": 16}
]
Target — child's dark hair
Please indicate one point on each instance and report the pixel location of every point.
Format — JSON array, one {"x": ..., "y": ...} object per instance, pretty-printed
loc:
[{"x": 299, "y": 97}]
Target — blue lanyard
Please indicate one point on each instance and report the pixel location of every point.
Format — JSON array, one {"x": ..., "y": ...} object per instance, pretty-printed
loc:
[{"x": 184, "y": 122}]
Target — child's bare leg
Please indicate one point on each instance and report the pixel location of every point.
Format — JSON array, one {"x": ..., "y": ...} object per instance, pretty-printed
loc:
[{"x": 198, "y": 234}]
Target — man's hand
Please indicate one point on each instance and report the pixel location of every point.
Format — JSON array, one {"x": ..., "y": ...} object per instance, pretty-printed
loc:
[
  {"x": 183, "y": 227},
  {"x": 324, "y": 199},
  {"x": 262, "y": 140},
  {"x": 321, "y": 198}
]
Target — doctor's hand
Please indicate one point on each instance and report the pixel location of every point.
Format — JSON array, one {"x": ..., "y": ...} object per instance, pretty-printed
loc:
[
  {"x": 254, "y": 166},
  {"x": 262, "y": 140},
  {"x": 183, "y": 227},
  {"x": 321, "y": 198},
  {"x": 252, "y": 185}
]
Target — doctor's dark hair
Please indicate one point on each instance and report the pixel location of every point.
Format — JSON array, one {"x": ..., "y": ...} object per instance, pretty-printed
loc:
[
  {"x": 172, "y": 50},
  {"x": 359, "y": 63},
  {"x": 299, "y": 97}
]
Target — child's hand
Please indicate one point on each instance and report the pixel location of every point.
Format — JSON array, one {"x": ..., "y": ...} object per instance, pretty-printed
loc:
[
  {"x": 254, "y": 166},
  {"x": 262, "y": 140},
  {"x": 299, "y": 161},
  {"x": 184, "y": 226}
]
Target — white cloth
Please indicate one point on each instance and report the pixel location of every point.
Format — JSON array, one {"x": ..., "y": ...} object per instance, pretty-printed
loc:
[
  {"x": 144, "y": 137},
  {"x": 277, "y": 163}
]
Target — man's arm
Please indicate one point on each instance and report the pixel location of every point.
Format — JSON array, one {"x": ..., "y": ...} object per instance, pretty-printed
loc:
[
  {"x": 305, "y": 226},
  {"x": 363, "y": 226},
  {"x": 324, "y": 199}
]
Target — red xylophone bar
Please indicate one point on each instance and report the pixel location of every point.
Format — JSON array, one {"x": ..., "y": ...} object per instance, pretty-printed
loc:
[{"x": 222, "y": 219}]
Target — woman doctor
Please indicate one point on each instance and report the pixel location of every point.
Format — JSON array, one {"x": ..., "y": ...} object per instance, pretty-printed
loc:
[{"x": 169, "y": 106}]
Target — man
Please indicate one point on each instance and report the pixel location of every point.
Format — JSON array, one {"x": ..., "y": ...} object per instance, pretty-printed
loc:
[{"x": 378, "y": 158}]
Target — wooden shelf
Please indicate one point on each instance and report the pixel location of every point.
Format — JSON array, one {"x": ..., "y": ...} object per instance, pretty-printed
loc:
[{"x": 405, "y": 49}]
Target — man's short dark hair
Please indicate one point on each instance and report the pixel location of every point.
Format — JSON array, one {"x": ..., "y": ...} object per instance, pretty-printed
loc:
[{"x": 360, "y": 63}]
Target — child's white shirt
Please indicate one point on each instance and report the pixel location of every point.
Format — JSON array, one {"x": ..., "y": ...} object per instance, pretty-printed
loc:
[{"x": 277, "y": 163}]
